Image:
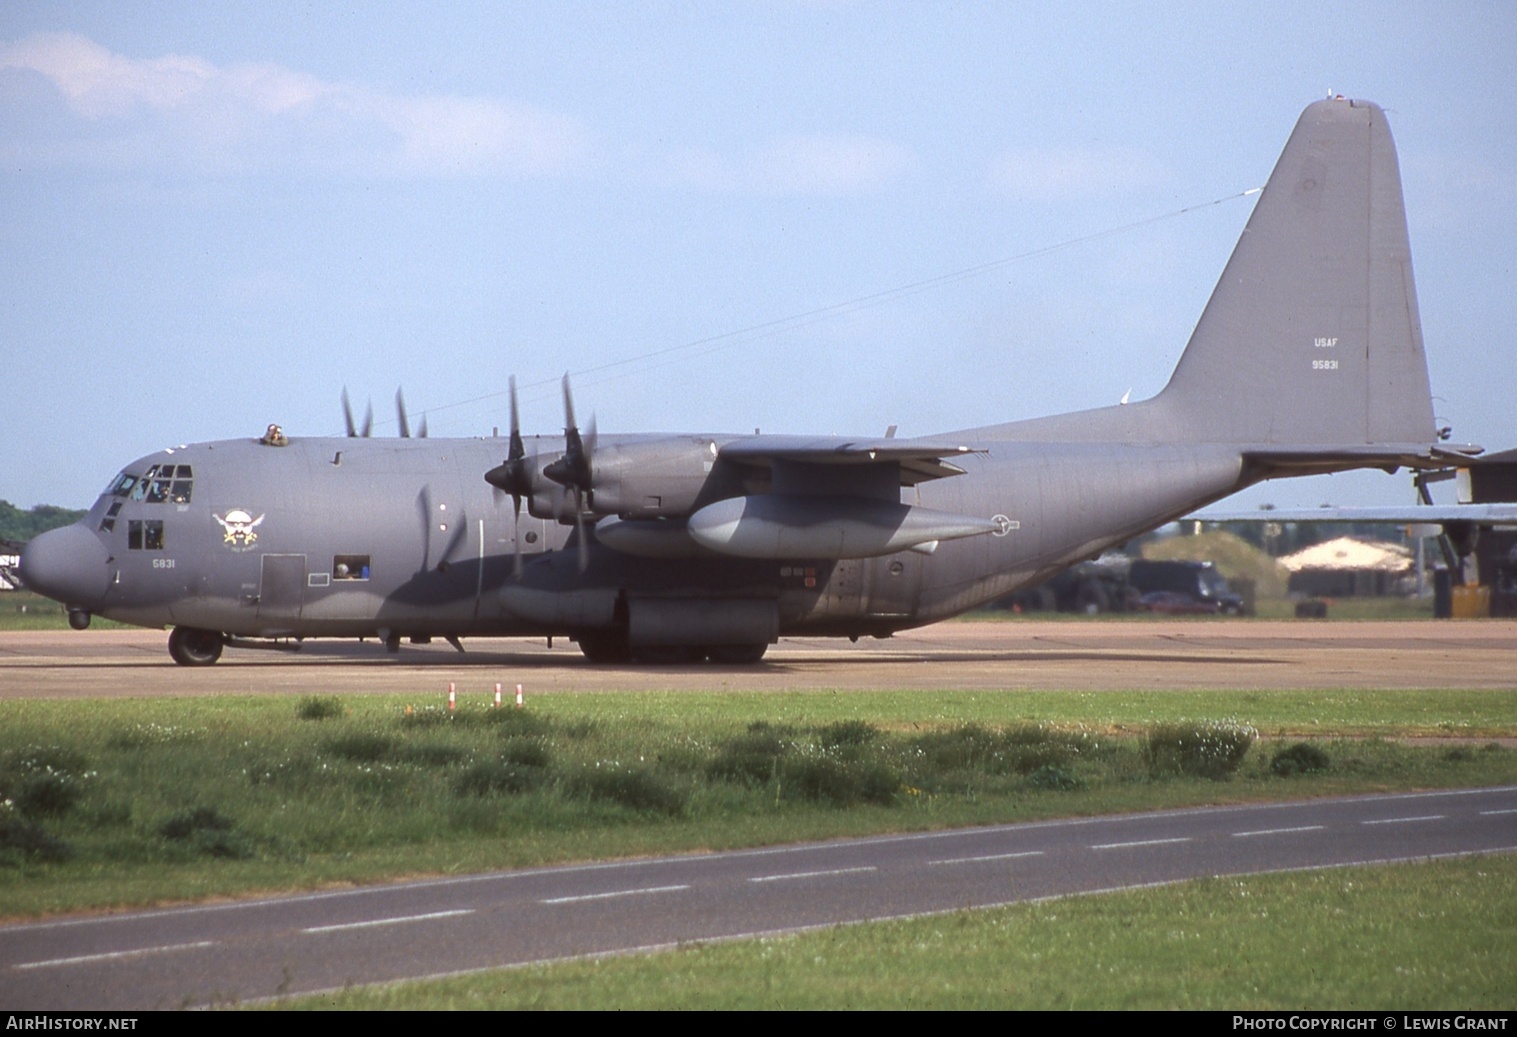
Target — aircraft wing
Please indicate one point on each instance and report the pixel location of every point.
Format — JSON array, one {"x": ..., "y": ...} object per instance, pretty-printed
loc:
[
  {"x": 1480, "y": 514},
  {"x": 920, "y": 460}
]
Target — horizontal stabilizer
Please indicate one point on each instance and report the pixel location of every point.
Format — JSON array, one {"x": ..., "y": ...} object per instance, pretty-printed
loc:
[{"x": 1415, "y": 514}]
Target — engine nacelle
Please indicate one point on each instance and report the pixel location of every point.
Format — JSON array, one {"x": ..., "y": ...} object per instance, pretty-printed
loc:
[{"x": 656, "y": 477}]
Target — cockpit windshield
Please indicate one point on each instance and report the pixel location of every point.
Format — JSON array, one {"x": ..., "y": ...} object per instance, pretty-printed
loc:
[
  {"x": 160, "y": 484},
  {"x": 122, "y": 485}
]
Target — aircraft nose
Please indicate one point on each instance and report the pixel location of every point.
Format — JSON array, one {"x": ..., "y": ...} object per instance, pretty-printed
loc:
[{"x": 70, "y": 565}]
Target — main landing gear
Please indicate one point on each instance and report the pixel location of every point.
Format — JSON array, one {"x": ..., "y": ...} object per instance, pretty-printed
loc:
[
  {"x": 610, "y": 647},
  {"x": 192, "y": 647}
]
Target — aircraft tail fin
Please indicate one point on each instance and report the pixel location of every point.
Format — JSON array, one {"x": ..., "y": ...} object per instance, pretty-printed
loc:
[
  {"x": 1312, "y": 335},
  {"x": 1311, "y": 341}
]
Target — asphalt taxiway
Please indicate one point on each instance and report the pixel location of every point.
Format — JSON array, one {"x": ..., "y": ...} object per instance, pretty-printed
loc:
[
  {"x": 1070, "y": 654},
  {"x": 264, "y": 948}
]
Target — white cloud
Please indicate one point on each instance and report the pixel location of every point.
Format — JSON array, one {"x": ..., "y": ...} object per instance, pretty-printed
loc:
[
  {"x": 182, "y": 109},
  {"x": 1071, "y": 174},
  {"x": 795, "y": 165},
  {"x": 829, "y": 164}
]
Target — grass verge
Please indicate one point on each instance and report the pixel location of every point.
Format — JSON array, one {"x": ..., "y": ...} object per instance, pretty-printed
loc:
[{"x": 132, "y": 802}]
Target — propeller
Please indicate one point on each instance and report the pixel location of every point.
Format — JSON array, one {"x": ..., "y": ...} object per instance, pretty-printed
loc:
[
  {"x": 458, "y": 528},
  {"x": 347, "y": 417},
  {"x": 575, "y": 472},
  {"x": 405, "y": 424},
  {"x": 514, "y": 475}
]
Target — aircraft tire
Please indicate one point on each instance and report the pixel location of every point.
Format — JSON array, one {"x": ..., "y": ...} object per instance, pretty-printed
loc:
[
  {"x": 189, "y": 646},
  {"x": 604, "y": 646},
  {"x": 736, "y": 655}
]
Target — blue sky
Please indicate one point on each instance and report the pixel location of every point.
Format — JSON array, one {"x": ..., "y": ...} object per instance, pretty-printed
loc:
[{"x": 216, "y": 216}]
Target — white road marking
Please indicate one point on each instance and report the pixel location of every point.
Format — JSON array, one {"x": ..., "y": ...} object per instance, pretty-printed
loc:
[
  {"x": 617, "y": 893},
  {"x": 811, "y": 874},
  {"x": 114, "y": 955},
  {"x": 400, "y": 920},
  {"x": 989, "y": 857},
  {"x": 1485, "y": 813},
  {"x": 1140, "y": 842},
  {"x": 1401, "y": 820},
  {"x": 1279, "y": 831}
]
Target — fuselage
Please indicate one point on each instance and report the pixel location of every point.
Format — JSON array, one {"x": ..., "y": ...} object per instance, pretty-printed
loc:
[
  {"x": 358, "y": 537},
  {"x": 1308, "y": 358}
]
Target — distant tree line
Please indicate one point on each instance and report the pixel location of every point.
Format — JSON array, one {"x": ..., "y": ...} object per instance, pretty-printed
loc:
[{"x": 20, "y": 526}]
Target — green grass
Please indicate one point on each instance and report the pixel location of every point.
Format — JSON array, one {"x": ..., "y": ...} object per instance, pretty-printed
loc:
[
  {"x": 28, "y": 610},
  {"x": 1354, "y": 609},
  {"x": 1429, "y": 936},
  {"x": 129, "y": 802}
]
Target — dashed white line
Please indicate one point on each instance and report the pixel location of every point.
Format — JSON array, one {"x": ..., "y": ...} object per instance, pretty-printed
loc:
[
  {"x": 989, "y": 857},
  {"x": 1140, "y": 842},
  {"x": 1279, "y": 831},
  {"x": 811, "y": 874},
  {"x": 398, "y": 920},
  {"x": 114, "y": 955},
  {"x": 1403, "y": 820},
  {"x": 1488, "y": 813},
  {"x": 615, "y": 893}
]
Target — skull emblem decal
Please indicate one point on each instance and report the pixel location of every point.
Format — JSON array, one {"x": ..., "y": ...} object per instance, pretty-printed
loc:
[{"x": 237, "y": 529}]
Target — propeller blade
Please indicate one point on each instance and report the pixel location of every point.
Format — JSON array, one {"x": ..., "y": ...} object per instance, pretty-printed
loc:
[
  {"x": 569, "y": 421},
  {"x": 400, "y": 412},
  {"x": 516, "y": 449},
  {"x": 459, "y": 531},
  {"x": 368, "y": 420},
  {"x": 421, "y": 433},
  {"x": 424, "y": 508},
  {"x": 516, "y": 537},
  {"x": 574, "y": 468},
  {"x": 347, "y": 415},
  {"x": 579, "y": 525}
]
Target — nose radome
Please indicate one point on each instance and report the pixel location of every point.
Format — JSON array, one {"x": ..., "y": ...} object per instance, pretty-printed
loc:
[{"x": 68, "y": 565}]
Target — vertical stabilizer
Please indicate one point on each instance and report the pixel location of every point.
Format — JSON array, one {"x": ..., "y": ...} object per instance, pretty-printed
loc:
[{"x": 1312, "y": 335}]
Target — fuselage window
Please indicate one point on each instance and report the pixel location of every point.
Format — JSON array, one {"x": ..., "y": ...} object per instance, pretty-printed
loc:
[
  {"x": 144, "y": 535},
  {"x": 350, "y": 567}
]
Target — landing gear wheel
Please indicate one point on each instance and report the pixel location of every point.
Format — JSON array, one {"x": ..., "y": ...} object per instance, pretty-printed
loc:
[
  {"x": 736, "y": 655},
  {"x": 604, "y": 646},
  {"x": 192, "y": 647}
]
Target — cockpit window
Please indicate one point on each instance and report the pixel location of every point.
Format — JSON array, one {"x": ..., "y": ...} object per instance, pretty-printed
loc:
[
  {"x": 122, "y": 485},
  {"x": 161, "y": 484}
]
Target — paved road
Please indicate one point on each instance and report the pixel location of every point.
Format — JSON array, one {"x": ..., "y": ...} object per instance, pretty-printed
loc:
[
  {"x": 262, "y": 948},
  {"x": 1073, "y": 654}
]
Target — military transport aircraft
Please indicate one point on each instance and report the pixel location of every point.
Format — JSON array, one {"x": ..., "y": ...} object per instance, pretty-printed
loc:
[{"x": 1308, "y": 358}]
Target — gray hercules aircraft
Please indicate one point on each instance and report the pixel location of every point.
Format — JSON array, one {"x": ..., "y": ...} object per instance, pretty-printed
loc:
[{"x": 664, "y": 548}]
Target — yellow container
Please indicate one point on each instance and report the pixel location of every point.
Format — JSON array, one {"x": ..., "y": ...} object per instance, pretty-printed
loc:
[{"x": 1472, "y": 602}]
